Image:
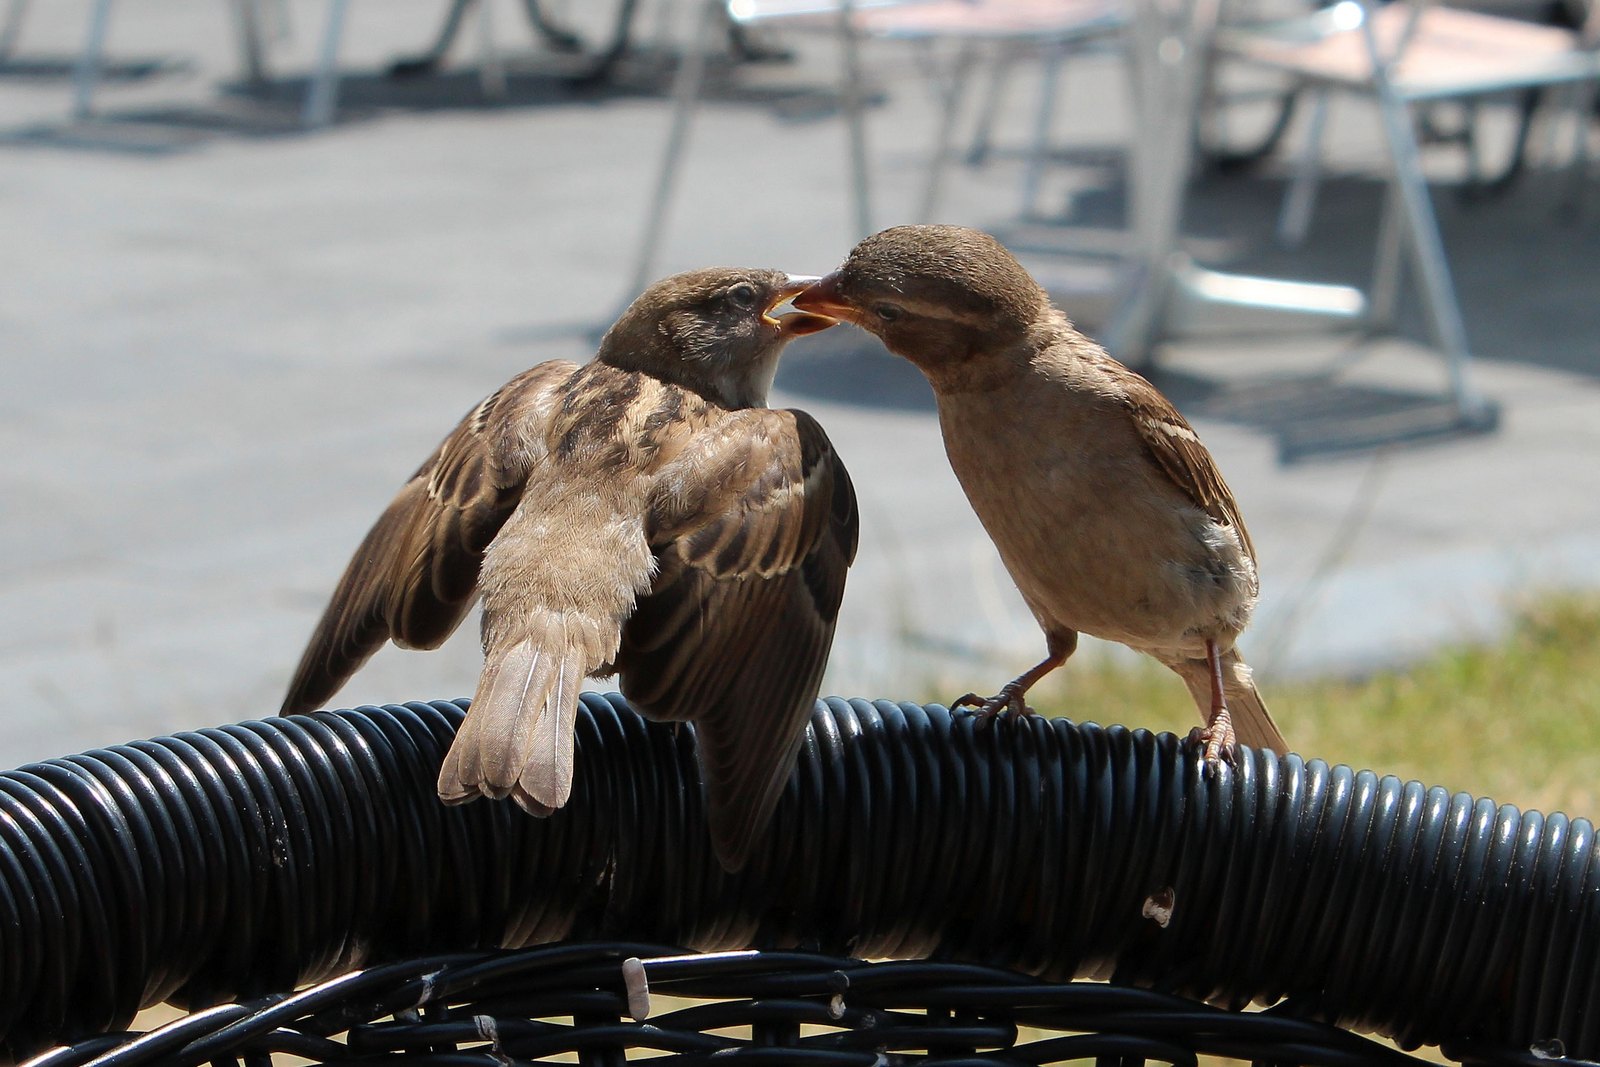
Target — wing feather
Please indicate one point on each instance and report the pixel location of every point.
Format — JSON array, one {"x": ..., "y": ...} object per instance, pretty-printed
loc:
[
  {"x": 415, "y": 575},
  {"x": 736, "y": 629},
  {"x": 1173, "y": 443}
]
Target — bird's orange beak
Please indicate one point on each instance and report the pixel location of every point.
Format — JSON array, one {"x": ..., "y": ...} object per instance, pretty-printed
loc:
[
  {"x": 796, "y": 321},
  {"x": 823, "y": 298}
]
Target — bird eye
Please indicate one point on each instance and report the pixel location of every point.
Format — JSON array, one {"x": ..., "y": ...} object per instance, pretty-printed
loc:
[
  {"x": 743, "y": 294},
  {"x": 887, "y": 312}
]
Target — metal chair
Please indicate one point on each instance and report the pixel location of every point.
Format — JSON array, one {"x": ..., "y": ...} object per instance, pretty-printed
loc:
[
  {"x": 689, "y": 84},
  {"x": 1047, "y": 28},
  {"x": 1002, "y": 34},
  {"x": 323, "y": 89},
  {"x": 91, "y": 59},
  {"x": 1443, "y": 37},
  {"x": 1161, "y": 292},
  {"x": 11, "y": 29},
  {"x": 550, "y": 31},
  {"x": 1397, "y": 56},
  {"x": 322, "y": 95}
]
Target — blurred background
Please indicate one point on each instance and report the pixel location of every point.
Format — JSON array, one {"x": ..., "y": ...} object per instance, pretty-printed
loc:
[{"x": 257, "y": 257}]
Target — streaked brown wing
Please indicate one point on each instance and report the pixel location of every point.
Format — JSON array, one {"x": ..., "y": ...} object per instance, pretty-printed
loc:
[
  {"x": 1173, "y": 443},
  {"x": 415, "y": 575},
  {"x": 736, "y": 630}
]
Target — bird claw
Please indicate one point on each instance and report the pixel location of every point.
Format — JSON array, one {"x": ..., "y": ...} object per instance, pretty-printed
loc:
[
  {"x": 1008, "y": 700},
  {"x": 1217, "y": 747}
]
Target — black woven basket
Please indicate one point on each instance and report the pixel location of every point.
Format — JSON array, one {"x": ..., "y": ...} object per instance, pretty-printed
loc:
[{"x": 241, "y": 863}]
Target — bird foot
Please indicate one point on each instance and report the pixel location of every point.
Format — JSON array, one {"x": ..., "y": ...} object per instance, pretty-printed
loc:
[
  {"x": 1216, "y": 743},
  {"x": 1008, "y": 700}
]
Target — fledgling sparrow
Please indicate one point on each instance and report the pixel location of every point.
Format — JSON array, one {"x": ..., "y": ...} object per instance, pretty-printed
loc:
[{"x": 644, "y": 514}]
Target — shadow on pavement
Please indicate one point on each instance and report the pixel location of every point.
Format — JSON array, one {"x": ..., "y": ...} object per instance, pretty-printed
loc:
[
  {"x": 846, "y": 366},
  {"x": 1319, "y": 416},
  {"x": 245, "y": 110}
]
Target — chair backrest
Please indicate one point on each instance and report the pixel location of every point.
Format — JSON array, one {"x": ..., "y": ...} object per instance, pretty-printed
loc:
[
  {"x": 1385, "y": 54},
  {"x": 1425, "y": 48}
]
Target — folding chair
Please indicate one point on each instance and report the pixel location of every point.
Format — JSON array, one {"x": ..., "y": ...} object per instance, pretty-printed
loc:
[
  {"x": 1001, "y": 33},
  {"x": 1161, "y": 292},
  {"x": 91, "y": 59},
  {"x": 1048, "y": 27},
  {"x": 322, "y": 94},
  {"x": 1399, "y": 55}
]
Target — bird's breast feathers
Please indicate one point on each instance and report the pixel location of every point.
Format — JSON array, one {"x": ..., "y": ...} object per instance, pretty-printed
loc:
[{"x": 1092, "y": 535}]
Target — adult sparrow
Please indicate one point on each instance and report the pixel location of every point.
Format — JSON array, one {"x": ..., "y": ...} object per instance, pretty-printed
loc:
[
  {"x": 644, "y": 514},
  {"x": 1108, "y": 512}
]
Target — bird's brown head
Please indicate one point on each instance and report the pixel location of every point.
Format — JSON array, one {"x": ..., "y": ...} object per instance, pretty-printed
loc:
[
  {"x": 937, "y": 295},
  {"x": 714, "y": 331}
]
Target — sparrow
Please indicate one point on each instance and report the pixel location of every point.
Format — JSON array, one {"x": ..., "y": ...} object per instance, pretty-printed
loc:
[
  {"x": 643, "y": 515},
  {"x": 1109, "y": 514}
]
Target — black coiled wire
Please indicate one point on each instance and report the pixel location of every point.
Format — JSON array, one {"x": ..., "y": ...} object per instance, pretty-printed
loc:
[{"x": 256, "y": 857}]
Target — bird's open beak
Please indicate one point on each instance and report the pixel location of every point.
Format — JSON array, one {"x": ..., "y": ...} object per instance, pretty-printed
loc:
[
  {"x": 823, "y": 298},
  {"x": 794, "y": 322}
]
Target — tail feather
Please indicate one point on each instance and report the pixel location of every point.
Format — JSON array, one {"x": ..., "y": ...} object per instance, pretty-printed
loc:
[
  {"x": 517, "y": 738},
  {"x": 1252, "y": 722}
]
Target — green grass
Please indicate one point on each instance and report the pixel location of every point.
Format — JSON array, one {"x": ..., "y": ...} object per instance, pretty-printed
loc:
[{"x": 1518, "y": 721}]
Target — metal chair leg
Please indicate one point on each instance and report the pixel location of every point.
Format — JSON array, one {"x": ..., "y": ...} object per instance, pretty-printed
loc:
[
  {"x": 1043, "y": 121},
  {"x": 1294, "y": 220},
  {"x": 86, "y": 72},
  {"x": 1166, "y": 87},
  {"x": 247, "y": 22},
  {"x": 1421, "y": 228},
  {"x": 686, "y": 89},
  {"x": 855, "y": 117},
  {"x": 950, "y": 90},
  {"x": 982, "y": 136},
  {"x": 12, "y": 29},
  {"x": 427, "y": 62},
  {"x": 491, "y": 72},
  {"x": 1428, "y": 257},
  {"x": 1387, "y": 263},
  {"x": 557, "y": 37},
  {"x": 1583, "y": 108},
  {"x": 324, "y": 90},
  {"x": 621, "y": 40}
]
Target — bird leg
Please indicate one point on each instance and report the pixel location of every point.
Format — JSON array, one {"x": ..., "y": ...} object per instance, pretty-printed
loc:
[
  {"x": 1010, "y": 696},
  {"x": 1217, "y": 738}
]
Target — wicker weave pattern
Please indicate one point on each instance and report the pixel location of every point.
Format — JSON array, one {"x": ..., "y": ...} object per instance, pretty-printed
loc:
[
  {"x": 771, "y": 1008},
  {"x": 227, "y": 864}
]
